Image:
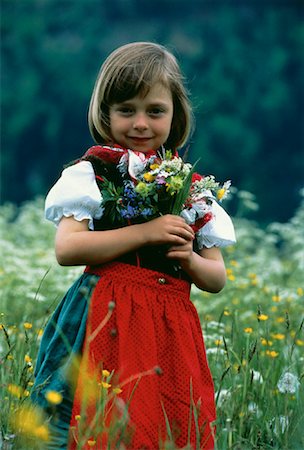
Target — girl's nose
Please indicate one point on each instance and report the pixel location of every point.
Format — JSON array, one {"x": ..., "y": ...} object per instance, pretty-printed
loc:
[{"x": 140, "y": 122}]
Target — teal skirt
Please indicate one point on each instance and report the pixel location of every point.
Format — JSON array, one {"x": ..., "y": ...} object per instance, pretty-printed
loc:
[{"x": 61, "y": 342}]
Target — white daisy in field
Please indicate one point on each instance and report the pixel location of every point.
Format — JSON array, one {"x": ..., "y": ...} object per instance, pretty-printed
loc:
[
  {"x": 256, "y": 376},
  {"x": 222, "y": 396},
  {"x": 288, "y": 383}
]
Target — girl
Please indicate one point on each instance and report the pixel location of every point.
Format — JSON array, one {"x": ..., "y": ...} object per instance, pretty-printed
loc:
[{"x": 129, "y": 315}]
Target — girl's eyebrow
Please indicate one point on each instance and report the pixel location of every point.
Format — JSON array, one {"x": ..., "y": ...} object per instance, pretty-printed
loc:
[{"x": 159, "y": 103}]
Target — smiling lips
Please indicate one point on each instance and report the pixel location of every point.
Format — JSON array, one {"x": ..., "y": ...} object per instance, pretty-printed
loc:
[{"x": 139, "y": 140}]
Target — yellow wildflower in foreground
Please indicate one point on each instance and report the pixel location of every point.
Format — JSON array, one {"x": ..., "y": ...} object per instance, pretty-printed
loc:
[
  {"x": 266, "y": 342},
  {"x": 53, "y": 397},
  {"x": 15, "y": 390},
  {"x": 278, "y": 336},
  {"x": 248, "y": 330},
  {"x": 117, "y": 390},
  {"x": 272, "y": 353},
  {"x": 29, "y": 422},
  {"x": 27, "y": 359},
  {"x": 263, "y": 317},
  {"x": 105, "y": 373},
  {"x": 28, "y": 325},
  {"x": 105, "y": 385},
  {"x": 91, "y": 443}
]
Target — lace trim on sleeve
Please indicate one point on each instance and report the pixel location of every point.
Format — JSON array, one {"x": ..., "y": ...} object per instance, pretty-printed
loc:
[{"x": 75, "y": 194}]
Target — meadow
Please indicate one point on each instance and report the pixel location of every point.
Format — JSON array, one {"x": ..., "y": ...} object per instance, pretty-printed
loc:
[{"x": 253, "y": 330}]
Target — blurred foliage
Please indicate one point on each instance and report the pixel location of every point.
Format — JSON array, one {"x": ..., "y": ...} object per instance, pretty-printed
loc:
[{"x": 242, "y": 60}]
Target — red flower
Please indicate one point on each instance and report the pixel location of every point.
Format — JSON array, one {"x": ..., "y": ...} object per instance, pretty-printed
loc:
[
  {"x": 201, "y": 222},
  {"x": 110, "y": 155},
  {"x": 196, "y": 177}
]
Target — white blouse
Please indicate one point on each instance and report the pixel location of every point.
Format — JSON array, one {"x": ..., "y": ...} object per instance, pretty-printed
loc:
[{"x": 76, "y": 194}]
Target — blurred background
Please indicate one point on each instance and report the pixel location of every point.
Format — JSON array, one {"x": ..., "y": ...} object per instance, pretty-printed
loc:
[{"x": 244, "y": 65}]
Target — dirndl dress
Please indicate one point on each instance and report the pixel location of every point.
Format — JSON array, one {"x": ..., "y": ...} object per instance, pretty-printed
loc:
[{"x": 124, "y": 347}]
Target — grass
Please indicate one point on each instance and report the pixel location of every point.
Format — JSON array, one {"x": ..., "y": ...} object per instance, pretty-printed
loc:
[{"x": 253, "y": 330}]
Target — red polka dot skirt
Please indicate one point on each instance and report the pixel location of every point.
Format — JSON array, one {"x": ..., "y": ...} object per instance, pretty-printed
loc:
[{"x": 144, "y": 379}]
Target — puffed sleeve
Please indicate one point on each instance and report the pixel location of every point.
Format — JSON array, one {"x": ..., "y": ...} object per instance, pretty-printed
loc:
[
  {"x": 75, "y": 194},
  {"x": 217, "y": 232}
]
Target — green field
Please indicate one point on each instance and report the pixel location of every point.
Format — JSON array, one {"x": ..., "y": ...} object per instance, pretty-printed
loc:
[{"x": 253, "y": 330}]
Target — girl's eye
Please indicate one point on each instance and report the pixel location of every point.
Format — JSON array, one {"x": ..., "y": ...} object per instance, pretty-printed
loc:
[
  {"x": 125, "y": 110},
  {"x": 156, "y": 111}
]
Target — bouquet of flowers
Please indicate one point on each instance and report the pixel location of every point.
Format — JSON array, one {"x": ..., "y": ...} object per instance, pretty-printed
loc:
[{"x": 155, "y": 185}]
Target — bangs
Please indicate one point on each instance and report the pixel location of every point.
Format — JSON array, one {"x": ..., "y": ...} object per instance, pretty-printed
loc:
[{"x": 131, "y": 81}]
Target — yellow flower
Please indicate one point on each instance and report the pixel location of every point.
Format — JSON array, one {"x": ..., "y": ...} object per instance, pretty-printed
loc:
[
  {"x": 15, "y": 390},
  {"x": 272, "y": 353},
  {"x": 9, "y": 356},
  {"x": 105, "y": 373},
  {"x": 27, "y": 325},
  {"x": 276, "y": 298},
  {"x": 91, "y": 442},
  {"x": 154, "y": 166},
  {"x": 266, "y": 342},
  {"x": 278, "y": 336},
  {"x": 280, "y": 319},
  {"x": 30, "y": 422},
  {"x": 263, "y": 317},
  {"x": 300, "y": 291},
  {"x": 299, "y": 342},
  {"x": 229, "y": 271},
  {"x": 41, "y": 432},
  {"x": 252, "y": 276},
  {"x": 53, "y": 397},
  {"x": 117, "y": 390},
  {"x": 1, "y": 326},
  {"x": 248, "y": 330},
  {"x": 77, "y": 417},
  {"x": 234, "y": 263},
  {"x": 226, "y": 313},
  {"x": 105, "y": 385},
  {"x": 40, "y": 332},
  {"x": 149, "y": 177},
  {"x": 220, "y": 193},
  {"x": 218, "y": 341},
  {"x": 231, "y": 277},
  {"x": 27, "y": 359}
]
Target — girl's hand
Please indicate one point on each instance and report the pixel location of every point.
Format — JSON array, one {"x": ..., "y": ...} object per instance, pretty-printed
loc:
[
  {"x": 168, "y": 229},
  {"x": 182, "y": 253}
]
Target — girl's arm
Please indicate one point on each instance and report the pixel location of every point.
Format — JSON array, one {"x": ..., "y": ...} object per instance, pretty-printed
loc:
[
  {"x": 76, "y": 245},
  {"x": 206, "y": 269}
]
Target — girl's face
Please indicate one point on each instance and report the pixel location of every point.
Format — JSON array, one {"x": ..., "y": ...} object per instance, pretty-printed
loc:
[{"x": 143, "y": 123}]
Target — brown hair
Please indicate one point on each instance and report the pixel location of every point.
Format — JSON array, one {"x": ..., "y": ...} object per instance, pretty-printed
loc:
[{"x": 133, "y": 69}]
